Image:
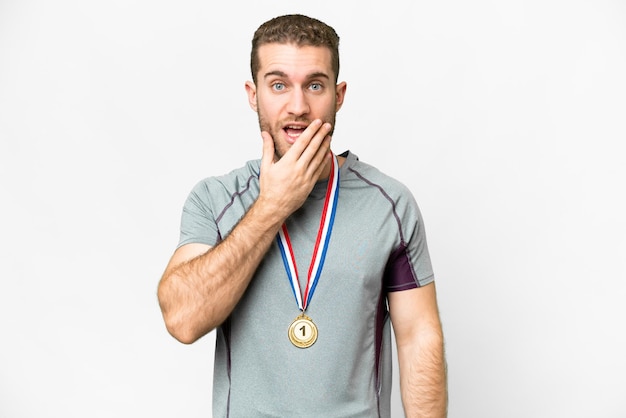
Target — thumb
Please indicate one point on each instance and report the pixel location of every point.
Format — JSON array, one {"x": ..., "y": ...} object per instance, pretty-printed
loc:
[{"x": 268, "y": 150}]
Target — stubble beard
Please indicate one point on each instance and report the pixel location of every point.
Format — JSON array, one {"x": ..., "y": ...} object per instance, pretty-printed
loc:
[{"x": 276, "y": 131}]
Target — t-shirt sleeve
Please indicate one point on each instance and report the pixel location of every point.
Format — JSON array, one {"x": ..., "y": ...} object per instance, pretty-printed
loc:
[
  {"x": 197, "y": 223},
  {"x": 409, "y": 265}
]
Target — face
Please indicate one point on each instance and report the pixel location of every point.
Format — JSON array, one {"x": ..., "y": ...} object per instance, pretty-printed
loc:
[{"x": 295, "y": 85}]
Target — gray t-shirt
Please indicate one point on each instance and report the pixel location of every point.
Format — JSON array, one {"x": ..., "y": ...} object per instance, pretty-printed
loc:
[{"x": 378, "y": 245}]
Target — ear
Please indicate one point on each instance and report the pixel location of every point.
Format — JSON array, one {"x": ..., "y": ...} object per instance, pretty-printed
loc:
[
  {"x": 251, "y": 90},
  {"x": 340, "y": 94}
]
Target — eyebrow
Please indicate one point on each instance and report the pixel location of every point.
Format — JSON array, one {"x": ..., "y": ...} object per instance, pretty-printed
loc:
[{"x": 279, "y": 73}]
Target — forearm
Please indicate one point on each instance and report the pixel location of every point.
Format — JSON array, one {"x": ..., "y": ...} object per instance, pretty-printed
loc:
[
  {"x": 198, "y": 295},
  {"x": 199, "y": 290},
  {"x": 423, "y": 378}
]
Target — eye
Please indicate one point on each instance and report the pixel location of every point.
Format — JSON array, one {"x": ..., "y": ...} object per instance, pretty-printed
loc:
[
  {"x": 316, "y": 86},
  {"x": 278, "y": 86}
]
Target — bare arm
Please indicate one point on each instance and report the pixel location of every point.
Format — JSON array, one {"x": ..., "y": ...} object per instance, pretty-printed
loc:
[
  {"x": 419, "y": 337},
  {"x": 202, "y": 284}
]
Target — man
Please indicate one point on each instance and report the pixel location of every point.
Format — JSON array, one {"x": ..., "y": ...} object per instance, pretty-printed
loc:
[{"x": 300, "y": 259}]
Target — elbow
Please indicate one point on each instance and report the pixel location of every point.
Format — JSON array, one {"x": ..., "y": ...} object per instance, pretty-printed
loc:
[
  {"x": 188, "y": 332},
  {"x": 184, "y": 329},
  {"x": 177, "y": 324},
  {"x": 184, "y": 323},
  {"x": 181, "y": 328},
  {"x": 181, "y": 333},
  {"x": 176, "y": 328}
]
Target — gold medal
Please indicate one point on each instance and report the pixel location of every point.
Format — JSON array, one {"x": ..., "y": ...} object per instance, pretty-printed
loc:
[{"x": 302, "y": 332}]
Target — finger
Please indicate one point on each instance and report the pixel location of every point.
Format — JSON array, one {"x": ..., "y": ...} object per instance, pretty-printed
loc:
[
  {"x": 316, "y": 143},
  {"x": 321, "y": 158},
  {"x": 305, "y": 138},
  {"x": 268, "y": 150}
]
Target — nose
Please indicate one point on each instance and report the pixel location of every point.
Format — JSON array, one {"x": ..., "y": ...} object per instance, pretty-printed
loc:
[{"x": 298, "y": 104}]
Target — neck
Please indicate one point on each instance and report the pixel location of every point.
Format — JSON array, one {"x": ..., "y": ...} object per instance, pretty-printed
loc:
[{"x": 325, "y": 174}]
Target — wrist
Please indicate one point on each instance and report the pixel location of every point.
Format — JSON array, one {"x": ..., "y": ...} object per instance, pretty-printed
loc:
[{"x": 269, "y": 212}]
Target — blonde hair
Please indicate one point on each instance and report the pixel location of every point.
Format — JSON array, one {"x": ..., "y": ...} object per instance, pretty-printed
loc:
[{"x": 297, "y": 29}]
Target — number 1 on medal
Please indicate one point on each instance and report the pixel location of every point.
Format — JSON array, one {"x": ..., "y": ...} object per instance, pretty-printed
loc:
[{"x": 302, "y": 332}]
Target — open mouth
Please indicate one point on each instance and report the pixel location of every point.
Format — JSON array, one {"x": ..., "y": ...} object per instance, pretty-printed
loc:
[{"x": 293, "y": 132}]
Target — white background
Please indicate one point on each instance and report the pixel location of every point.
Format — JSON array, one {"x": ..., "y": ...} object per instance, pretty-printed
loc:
[{"x": 506, "y": 119}]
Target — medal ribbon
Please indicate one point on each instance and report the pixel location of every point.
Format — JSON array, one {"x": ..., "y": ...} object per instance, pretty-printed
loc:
[{"x": 323, "y": 238}]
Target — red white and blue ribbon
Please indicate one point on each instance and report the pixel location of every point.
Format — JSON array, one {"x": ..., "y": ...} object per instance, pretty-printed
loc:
[{"x": 321, "y": 243}]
